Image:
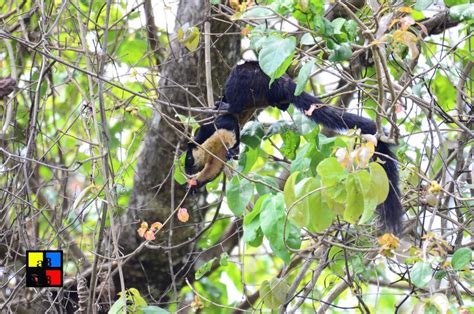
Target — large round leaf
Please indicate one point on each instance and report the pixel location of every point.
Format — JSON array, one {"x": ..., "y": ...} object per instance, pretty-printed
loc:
[{"x": 276, "y": 55}]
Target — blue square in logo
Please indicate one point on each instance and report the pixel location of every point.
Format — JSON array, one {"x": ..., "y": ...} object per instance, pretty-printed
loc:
[{"x": 54, "y": 259}]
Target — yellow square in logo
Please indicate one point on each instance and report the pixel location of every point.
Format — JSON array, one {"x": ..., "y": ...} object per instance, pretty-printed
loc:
[{"x": 35, "y": 259}]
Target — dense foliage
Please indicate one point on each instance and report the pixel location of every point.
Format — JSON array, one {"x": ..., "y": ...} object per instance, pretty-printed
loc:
[{"x": 292, "y": 224}]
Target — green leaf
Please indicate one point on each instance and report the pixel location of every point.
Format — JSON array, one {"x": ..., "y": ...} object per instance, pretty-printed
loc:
[
  {"x": 188, "y": 121},
  {"x": 131, "y": 50},
  {"x": 263, "y": 189},
  {"x": 451, "y": 3},
  {"x": 271, "y": 215},
  {"x": 323, "y": 26},
  {"x": 444, "y": 91},
  {"x": 214, "y": 184},
  {"x": 336, "y": 193},
  {"x": 336, "y": 255},
  {"x": 293, "y": 236},
  {"x": 234, "y": 273},
  {"x": 370, "y": 205},
  {"x": 289, "y": 189},
  {"x": 421, "y": 274},
  {"x": 351, "y": 28},
  {"x": 338, "y": 24},
  {"x": 303, "y": 124},
  {"x": 238, "y": 192},
  {"x": 248, "y": 159},
  {"x": 462, "y": 11},
  {"x": 272, "y": 220},
  {"x": 118, "y": 306},
  {"x": 330, "y": 171},
  {"x": 45, "y": 173},
  {"x": 440, "y": 274},
  {"x": 307, "y": 39},
  {"x": 224, "y": 260},
  {"x": 379, "y": 185},
  {"x": 357, "y": 264},
  {"x": 252, "y": 134},
  {"x": 253, "y": 234},
  {"x": 204, "y": 269},
  {"x": 274, "y": 293},
  {"x": 303, "y": 77},
  {"x": 461, "y": 258},
  {"x": 354, "y": 198},
  {"x": 215, "y": 2},
  {"x": 276, "y": 55},
  {"x": 341, "y": 52},
  {"x": 421, "y": 5},
  {"x": 257, "y": 37},
  {"x": 316, "y": 6},
  {"x": 320, "y": 216},
  {"x": 298, "y": 209},
  {"x": 137, "y": 299},
  {"x": 178, "y": 174},
  {"x": 370, "y": 201},
  {"x": 279, "y": 127},
  {"x": 301, "y": 161},
  {"x": 291, "y": 142},
  {"x": 152, "y": 309}
]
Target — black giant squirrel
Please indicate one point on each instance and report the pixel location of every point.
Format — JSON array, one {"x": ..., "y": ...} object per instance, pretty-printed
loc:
[{"x": 247, "y": 89}]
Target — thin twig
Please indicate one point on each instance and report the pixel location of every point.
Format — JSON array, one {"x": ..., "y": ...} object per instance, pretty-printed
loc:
[{"x": 207, "y": 57}]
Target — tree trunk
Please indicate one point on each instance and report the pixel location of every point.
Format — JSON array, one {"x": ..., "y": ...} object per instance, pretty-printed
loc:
[{"x": 154, "y": 196}]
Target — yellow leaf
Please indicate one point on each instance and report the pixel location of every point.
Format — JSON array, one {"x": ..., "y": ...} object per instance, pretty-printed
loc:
[
  {"x": 435, "y": 187},
  {"x": 92, "y": 188},
  {"x": 189, "y": 37},
  {"x": 234, "y": 4},
  {"x": 405, "y": 10},
  {"x": 389, "y": 240},
  {"x": 408, "y": 39}
]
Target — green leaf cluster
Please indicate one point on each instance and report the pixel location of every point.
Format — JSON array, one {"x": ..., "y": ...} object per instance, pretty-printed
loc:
[
  {"x": 134, "y": 303},
  {"x": 314, "y": 202}
]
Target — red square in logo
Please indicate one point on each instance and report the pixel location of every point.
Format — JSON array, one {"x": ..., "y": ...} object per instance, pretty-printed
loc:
[{"x": 54, "y": 277}]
